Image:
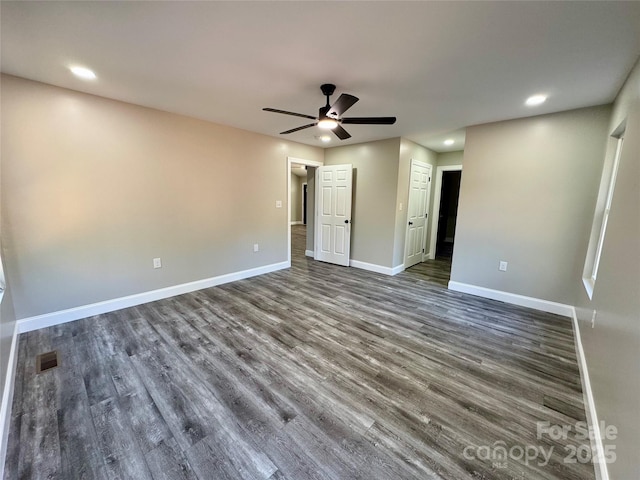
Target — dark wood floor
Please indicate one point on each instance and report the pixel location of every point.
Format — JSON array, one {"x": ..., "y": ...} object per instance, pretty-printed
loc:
[{"x": 316, "y": 372}]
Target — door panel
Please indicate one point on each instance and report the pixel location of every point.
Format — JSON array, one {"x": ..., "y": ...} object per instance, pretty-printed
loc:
[
  {"x": 334, "y": 215},
  {"x": 417, "y": 212}
]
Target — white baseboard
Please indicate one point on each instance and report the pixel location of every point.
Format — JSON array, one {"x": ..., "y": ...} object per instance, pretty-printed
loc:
[
  {"x": 309, "y": 253},
  {"x": 7, "y": 399},
  {"x": 398, "y": 269},
  {"x": 298, "y": 222},
  {"x": 372, "y": 267},
  {"x": 592, "y": 417},
  {"x": 515, "y": 299},
  {"x": 71, "y": 314}
]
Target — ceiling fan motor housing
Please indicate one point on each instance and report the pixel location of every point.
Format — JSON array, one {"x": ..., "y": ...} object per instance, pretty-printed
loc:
[{"x": 328, "y": 89}]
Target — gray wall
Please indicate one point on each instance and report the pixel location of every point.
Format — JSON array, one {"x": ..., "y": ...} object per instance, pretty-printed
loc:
[
  {"x": 93, "y": 189},
  {"x": 612, "y": 348},
  {"x": 408, "y": 151},
  {"x": 528, "y": 191},
  {"x": 374, "y": 197}
]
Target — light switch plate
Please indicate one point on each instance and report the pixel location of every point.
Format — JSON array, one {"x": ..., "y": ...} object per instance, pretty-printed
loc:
[
  {"x": 503, "y": 266},
  {"x": 157, "y": 263},
  {"x": 278, "y": 203}
]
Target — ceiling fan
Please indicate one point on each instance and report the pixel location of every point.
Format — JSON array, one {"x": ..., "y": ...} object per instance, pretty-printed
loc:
[{"x": 330, "y": 116}]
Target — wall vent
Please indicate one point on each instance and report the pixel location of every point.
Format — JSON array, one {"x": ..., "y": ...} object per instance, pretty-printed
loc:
[{"x": 46, "y": 361}]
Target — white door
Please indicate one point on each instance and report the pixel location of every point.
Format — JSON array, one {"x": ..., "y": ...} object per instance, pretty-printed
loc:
[
  {"x": 417, "y": 212},
  {"x": 333, "y": 204}
]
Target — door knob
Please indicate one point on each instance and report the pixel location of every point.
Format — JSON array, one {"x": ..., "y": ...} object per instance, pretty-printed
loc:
[
  {"x": 346, "y": 221},
  {"x": 410, "y": 223}
]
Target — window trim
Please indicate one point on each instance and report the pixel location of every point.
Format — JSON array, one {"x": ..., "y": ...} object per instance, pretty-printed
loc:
[{"x": 601, "y": 216}]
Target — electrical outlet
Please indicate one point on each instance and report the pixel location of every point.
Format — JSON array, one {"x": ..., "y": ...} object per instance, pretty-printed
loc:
[
  {"x": 400, "y": 206},
  {"x": 278, "y": 203},
  {"x": 593, "y": 319},
  {"x": 503, "y": 266},
  {"x": 256, "y": 247},
  {"x": 157, "y": 263}
]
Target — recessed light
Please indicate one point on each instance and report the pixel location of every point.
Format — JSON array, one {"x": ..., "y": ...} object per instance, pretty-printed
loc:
[
  {"x": 449, "y": 141},
  {"x": 83, "y": 72},
  {"x": 534, "y": 100},
  {"x": 325, "y": 138}
]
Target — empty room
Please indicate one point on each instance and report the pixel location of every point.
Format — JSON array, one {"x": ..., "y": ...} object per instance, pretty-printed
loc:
[{"x": 320, "y": 240}]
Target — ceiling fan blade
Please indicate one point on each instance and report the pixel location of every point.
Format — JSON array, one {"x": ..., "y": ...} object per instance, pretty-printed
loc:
[
  {"x": 370, "y": 120},
  {"x": 275, "y": 110},
  {"x": 344, "y": 103},
  {"x": 299, "y": 128},
  {"x": 341, "y": 133}
]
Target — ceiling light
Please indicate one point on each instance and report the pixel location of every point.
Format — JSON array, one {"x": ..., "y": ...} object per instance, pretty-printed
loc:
[
  {"x": 325, "y": 138},
  {"x": 83, "y": 72},
  {"x": 535, "y": 100},
  {"x": 449, "y": 141},
  {"x": 327, "y": 124}
]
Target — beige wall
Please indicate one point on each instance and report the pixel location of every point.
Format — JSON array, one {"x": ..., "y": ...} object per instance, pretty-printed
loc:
[
  {"x": 612, "y": 348},
  {"x": 94, "y": 189},
  {"x": 527, "y": 196},
  {"x": 450, "y": 158},
  {"x": 294, "y": 201},
  {"x": 311, "y": 206},
  {"x": 408, "y": 151},
  {"x": 375, "y": 180}
]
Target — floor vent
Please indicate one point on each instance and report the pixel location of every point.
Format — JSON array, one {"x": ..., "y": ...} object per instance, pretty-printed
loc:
[{"x": 46, "y": 361}]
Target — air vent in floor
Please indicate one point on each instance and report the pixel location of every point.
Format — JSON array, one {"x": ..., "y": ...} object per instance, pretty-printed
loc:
[{"x": 46, "y": 361}]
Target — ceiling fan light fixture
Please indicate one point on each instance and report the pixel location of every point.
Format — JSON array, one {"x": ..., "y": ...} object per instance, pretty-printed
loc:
[{"x": 327, "y": 124}]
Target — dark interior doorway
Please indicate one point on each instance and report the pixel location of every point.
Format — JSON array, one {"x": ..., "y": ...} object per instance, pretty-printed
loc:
[
  {"x": 448, "y": 213},
  {"x": 304, "y": 204}
]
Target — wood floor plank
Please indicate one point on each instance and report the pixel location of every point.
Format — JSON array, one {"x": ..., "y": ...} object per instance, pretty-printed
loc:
[
  {"x": 167, "y": 462},
  {"x": 311, "y": 373}
]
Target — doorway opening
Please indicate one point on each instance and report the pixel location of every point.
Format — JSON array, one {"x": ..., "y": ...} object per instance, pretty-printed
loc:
[
  {"x": 445, "y": 211},
  {"x": 300, "y": 207},
  {"x": 448, "y": 213},
  {"x": 304, "y": 203}
]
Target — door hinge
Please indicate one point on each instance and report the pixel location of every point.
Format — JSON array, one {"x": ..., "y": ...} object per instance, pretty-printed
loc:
[{"x": 429, "y": 178}]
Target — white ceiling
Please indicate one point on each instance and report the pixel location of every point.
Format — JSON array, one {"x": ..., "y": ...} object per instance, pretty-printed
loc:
[{"x": 437, "y": 66}]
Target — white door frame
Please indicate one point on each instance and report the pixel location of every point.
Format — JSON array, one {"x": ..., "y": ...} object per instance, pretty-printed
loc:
[
  {"x": 436, "y": 206},
  {"x": 310, "y": 218},
  {"x": 426, "y": 225}
]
